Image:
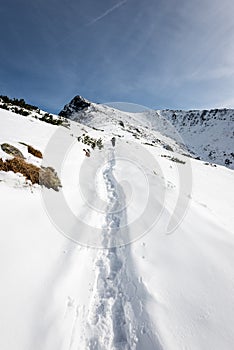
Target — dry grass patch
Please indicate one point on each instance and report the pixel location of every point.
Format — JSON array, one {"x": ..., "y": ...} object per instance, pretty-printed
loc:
[
  {"x": 43, "y": 176},
  {"x": 35, "y": 152}
]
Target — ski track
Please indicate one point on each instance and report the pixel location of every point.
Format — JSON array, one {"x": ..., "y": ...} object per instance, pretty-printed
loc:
[{"x": 117, "y": 319}]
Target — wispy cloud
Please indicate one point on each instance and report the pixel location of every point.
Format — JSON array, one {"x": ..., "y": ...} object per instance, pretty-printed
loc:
[
  {"x": 107, "y": 12},
  {"x": 225, "y": 103},
  {"x": 212, "y": 73}
]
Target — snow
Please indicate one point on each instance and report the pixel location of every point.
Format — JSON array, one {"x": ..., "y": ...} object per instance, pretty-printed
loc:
[
  {"x": 125, "y": 282},
  {"x": 207, "y": 134}
]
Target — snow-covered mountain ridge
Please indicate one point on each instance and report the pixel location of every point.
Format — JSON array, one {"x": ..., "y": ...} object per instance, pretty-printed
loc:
[
  {"x": 208, "y": 134},
  {"x": 20, "y": 107}
]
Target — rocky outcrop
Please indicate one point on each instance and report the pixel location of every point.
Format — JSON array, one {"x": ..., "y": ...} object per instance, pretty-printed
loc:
[{"x": 77, "y": 104}]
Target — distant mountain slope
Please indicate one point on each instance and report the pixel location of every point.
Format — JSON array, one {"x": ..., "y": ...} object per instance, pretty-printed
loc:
[{"x": 208, "y": 135}]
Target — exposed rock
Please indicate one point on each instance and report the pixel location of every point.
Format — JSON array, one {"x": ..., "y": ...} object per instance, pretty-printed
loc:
[
  {"x": 13, "y": 151},
  {"x": 77, "y": 104}
]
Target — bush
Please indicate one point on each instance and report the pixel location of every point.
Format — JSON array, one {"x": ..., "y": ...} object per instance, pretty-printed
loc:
[
  {"x": 20, "y": 111},
  {"x": 90, "y": 141},
  {"x": 18, "y": 102},
  {"x": 168, "y": 148},
  {"x": 4, "y": 106},
  {"x": 228, "y": 161},
  {"x": 173, "y": 159},
  {"x": 32, "y": 150},
  {"x": 48, "y": 118}
]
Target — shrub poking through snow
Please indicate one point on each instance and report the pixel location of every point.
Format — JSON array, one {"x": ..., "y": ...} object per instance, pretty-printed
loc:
[
  {"x": 48, "y": 118},
  {"x": 18, "y": 102},
  {"x": 90, "y": 141},
  {"x": 18, "y": 165},
  {"x": 148, "y": 144},
  {"x": 11, "y": 150},
  {"x": 99, "y": 143},
  {"x": 43, "y": 176},
  {"x": 168, "y": 148},
  {"x": 173, "y": 159},
  {"x": 87, "y": 152},
  {"x": 35, "y": 152}
]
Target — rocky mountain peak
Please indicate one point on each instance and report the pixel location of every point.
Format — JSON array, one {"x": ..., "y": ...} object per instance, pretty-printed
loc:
[{"x": 77, "y": 104}]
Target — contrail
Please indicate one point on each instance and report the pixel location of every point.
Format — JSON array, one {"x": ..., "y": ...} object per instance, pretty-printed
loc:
[{"x": 107, "y": 12}]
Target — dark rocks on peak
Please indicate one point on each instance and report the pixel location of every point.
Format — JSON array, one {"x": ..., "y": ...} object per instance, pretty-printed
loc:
[{"x": 77, "y": 104}]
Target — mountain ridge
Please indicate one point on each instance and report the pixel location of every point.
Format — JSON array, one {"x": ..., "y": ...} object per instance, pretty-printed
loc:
[{"x": 207, "y": 134}]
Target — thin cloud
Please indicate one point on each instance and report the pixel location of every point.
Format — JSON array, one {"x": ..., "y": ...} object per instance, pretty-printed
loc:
[
  {"x": 229, "y": 103},
  {"x": 107, "y": 12}
]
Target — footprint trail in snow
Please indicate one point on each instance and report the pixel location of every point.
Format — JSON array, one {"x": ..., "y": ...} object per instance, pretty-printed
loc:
[{"x": 117, "y": 319}]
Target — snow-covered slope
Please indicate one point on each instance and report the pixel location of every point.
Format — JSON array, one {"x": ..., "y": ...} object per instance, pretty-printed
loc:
[
  {"x": 206, "y": 134},
  {"x": 114, "y": 279}
]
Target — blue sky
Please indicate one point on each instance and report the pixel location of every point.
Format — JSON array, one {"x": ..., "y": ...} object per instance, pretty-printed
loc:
[{"x": 157, "y": 53}]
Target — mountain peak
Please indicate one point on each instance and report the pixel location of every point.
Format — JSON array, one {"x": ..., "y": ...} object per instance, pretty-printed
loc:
[{"x": 77, "y": 104}]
